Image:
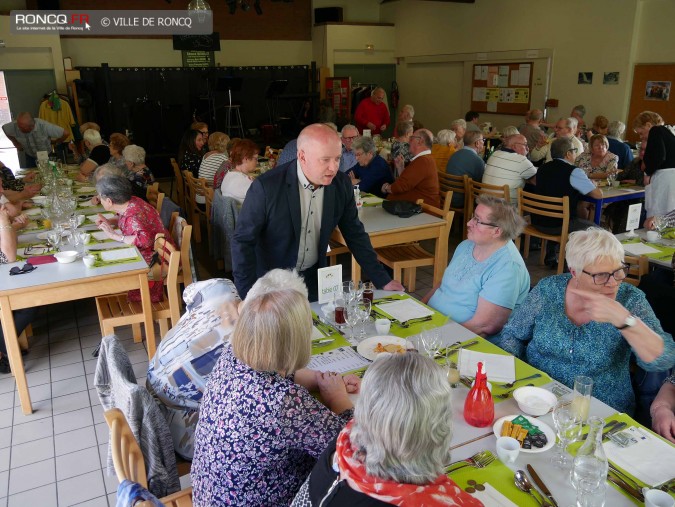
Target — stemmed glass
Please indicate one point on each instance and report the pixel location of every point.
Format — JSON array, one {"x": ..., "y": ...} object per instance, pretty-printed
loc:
[
  {"x": 431, "y": 340},
  {"x": 352, "y": 316},
  {"x": 364, "y": 315},
  {"x": 54, "y": 238},
  {"x": 567, "y": 422}
]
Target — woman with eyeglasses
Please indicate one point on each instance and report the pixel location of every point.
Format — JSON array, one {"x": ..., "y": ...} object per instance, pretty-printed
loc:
[
  {"x": 486, "y": 278},
  {"x": 588, "y": 322}
]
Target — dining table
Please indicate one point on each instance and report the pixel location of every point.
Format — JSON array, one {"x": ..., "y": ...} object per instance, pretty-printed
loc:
[
  {"x": 385, "y": 229},
  {"x": 329, "y": 353},
  {"x": 614, "y": 194},
  {"x": 659, "y": 252}
]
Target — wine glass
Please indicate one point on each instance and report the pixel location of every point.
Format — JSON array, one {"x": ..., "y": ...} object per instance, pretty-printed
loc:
[
  {"x": 352, "y": 316},
  {"x": 431, "y": 340},
  {"x": 54, "y": 239},
  {"x": 567, "y": 422},
  {"x": 364, "y": 315}
]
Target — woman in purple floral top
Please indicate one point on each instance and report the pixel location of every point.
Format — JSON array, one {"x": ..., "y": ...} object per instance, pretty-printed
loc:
[{"x": 260, "y": 431}]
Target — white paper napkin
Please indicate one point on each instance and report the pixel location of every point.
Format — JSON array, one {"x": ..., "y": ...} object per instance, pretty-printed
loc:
[
  {"x": 101, "y": 236},
  {"x": 316, "y": 334},
  {"x": 651, "y": 460},
  {"x": 405, "y": 309},
  {"x": 32, "y": 212},
  {"x": 92, "y": 218},
  {"x": 639, "y": 249},
  {"x": 492, "y": 498},
  {"x": 115, "y": 255},
  {"x": 499, "y": 368}
]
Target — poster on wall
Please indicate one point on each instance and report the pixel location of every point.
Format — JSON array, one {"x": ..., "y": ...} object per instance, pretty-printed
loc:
[
  {"x": 585, "y": 78},
  {"x": 611, "y": 78},
  {"x": 657, "y": 90}
]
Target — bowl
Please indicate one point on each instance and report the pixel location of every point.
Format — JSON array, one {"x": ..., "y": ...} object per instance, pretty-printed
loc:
[
  {"x": 534, "y": 400},
  {"x": 66, "y": 257},
  {"x": 89, "y": 260}
]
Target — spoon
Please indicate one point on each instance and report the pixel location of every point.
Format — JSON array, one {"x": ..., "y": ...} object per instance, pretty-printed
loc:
[
  {"x": 508, "y": 393},
  {"x": 523, "y": 484},
  {"x": 509, "y": 385}
]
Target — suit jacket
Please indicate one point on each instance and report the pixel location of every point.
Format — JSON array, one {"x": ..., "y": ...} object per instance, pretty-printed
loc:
[
  {"x": 418, "y": 181},
  {"x": 267, "y": 234}
]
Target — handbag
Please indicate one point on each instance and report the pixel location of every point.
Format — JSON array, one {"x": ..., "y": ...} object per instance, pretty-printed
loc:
[{"x": 403, "y": 209}]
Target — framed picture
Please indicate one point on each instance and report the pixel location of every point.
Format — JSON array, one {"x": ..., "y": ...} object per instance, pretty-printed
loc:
[
  {"x": 585, "y": 78},
  {"x": 610, "y": 78},
  {"x": 657, "y": 90}
]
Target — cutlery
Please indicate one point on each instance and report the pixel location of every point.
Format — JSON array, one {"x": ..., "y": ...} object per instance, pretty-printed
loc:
[
  {"x": 322, "y": 342},
  {"x": 509, "y": 385},
  {"x": 508, "y": 393},
  {"x": 621, "y": 475},
  {"x": 625, "y": 487},
  {"x": 386, "y": 299},
  {"x": 618, "y": 427},
  {"x": 521, "y": 482},
  {"x": 458, "y": 346},
  {"x": 537, "y": 480},
  {"x": 479, "y": 460},
  {"x": 608, "y": 427}
]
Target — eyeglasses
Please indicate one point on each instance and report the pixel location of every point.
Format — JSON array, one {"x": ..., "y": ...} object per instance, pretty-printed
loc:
[
  {"x": 522, "y": 144},
  {"x": 573, "y": 150},
  {"x": 603, "y": 278},
  {"x": 27, "y": 268},
  {"x": 204, "y": 133},
  {"x": 349, "y": 138},
  {"x": 358, "y": 154},
  {"x": 478, "y": 221}
]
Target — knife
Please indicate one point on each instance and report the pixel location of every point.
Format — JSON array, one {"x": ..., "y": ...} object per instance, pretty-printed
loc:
[
  {"x": 625, "y": 487},
  {"x": 615, "y": 429},
  {"x": 537, "y": 480}
]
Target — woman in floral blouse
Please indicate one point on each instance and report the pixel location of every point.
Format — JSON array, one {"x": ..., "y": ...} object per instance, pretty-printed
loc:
[{"x": 260, "y": 430}]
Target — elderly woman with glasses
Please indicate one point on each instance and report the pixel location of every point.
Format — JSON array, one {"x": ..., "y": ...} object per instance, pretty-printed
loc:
[
  {"x": 588, "y": 322},
  {"x": 371, "y": 171},
  {"x": 486, "y": 278},
  {"x": 395, "y": 450}
]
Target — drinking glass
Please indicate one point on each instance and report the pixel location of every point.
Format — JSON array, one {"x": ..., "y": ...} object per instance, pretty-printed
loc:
[
  {"x": 356, "y": 290},
  {"x": 568, "y": 426},
  {"x": 340, "y": 304},
  {"x": 364, "y": 315},
  {"x": 368, "y": 291},
  {"x": 352, "y": 316},
  {"x": 583, "y": 386},
  {"x": 431, "y": 340},
  {"x": 54, "y": 239}
]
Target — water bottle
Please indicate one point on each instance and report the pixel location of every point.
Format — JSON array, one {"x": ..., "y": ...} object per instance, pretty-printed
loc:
[{"x": 589, "y": 471}]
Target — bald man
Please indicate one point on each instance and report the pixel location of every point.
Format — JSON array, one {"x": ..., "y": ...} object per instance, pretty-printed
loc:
[
  {"x": 510, "y": 166},
  {"x": 290, "y": 213},
  {"x": 31, "y": 135},
  {"x": 373, "y": 113}
]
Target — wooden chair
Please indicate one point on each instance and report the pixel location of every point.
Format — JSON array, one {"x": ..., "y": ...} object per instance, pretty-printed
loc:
[
  {"x": 180, "y": 184},
  {"x": 209, "y": 205},
  {"x": 129, "y": 461},
  {"x": 476, "y": 188},
  {"x": 116, "y": 310},
  {"x": 181, "y": 233},
  {"x": 411, "y": 256},
  {"x": 151, "y": 195},
  {"x": 637, "y": 267},
  {"x": 458, "y": 185},
  {"x": 554, "y": 207},
  {"x": 195, "y": 187},
  {"x": 446, "y": 199}
]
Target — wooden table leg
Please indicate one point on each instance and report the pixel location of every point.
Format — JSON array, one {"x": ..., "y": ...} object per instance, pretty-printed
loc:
[
  {"x": 14, "y": 355},
  {"x": 356, "y": 270},
  {"x": 149, "y": 324}
]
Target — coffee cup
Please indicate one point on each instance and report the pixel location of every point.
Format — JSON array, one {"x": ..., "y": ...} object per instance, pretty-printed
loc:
[
  {"x": 652, "y": 236},
  {"x": 616, "y": 183},
  {"x": 382, "y": 326},
  {"x": 508, "y": 449},
  {"x": 89, "y": 260},
  {"x": 658, "y": 498}
]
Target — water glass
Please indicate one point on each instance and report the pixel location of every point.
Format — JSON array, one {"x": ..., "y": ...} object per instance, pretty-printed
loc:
[
  {"x": 340, "y": 304},
  {"x": 431, "y": 340},
  {"x": 352, "y": 316},
  {"x": 568, "y": 426},
  {"x": 583, "y": 386},
  {"x": 364, "y": 316},
  {"x": 591, "y": 493},
  {"x": 368, "y": 291},
  {"x": 54, "y": 239}
]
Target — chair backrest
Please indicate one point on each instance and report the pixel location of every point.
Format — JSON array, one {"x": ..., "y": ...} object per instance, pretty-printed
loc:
[
  {"x": 181, "y": 232},
  {"x": 151, "y": 194},
  {"x": 126, "y": 453},
  {"x": 208, "y": 195},
  {"x": 476, "y": 188},
  {"x": 168, "y": 266},
  {"x": 446, "y": 199},
  {"x": 554, "y": 207},
  {"x": 180, "y": 184},
  {"x": 637, "y": 267},
  {"x": 458, "y": 185}
]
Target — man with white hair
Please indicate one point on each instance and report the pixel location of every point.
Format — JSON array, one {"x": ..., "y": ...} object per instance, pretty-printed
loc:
[
  {"x": 99, "y": 154},
  {"x": 510, "y": 166},
  {"x": 615, "y": 130},
  {"x": 348, "y": 160},
  {"x": 31, "y": 135},
  {"x": 467, "y": 161},
  {"x": 373, "y": 113},
  {"x": 565, "y": 127},
  {"x": 459, "y": 128}
]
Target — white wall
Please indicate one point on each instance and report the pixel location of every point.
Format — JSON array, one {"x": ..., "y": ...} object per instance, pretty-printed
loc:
[{"x": 656, "y": 37}]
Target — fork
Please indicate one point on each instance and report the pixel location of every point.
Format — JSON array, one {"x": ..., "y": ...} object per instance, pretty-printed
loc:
[
  {"x": 508, "y": 393},
  {"x": 479, "y": 460},
  {"x": 509, "y": 385}
]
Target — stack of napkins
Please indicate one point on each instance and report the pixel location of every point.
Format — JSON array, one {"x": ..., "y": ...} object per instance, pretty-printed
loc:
[
  {"x": 405, "y": 309},
  {"x": 651, "y": 460},
  {"x": 499, "y": 368}
]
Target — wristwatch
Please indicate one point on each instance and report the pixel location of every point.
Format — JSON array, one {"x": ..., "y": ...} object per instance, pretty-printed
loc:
[{"x": 630, "y": 321}]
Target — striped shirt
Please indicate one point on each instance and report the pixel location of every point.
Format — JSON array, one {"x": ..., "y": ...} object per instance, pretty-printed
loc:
[{"x": 508, "y": 168}]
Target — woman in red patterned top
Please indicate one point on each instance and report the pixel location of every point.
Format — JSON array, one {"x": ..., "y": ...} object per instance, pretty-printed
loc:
[{"x": 137, "y": 220}]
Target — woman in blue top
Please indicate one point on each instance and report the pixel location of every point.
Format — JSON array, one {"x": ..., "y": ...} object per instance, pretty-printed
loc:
[
  {"x": 371, "y": 171},
  {"x": 588, "y": 323},
  {"x": 486, "y": 278}
]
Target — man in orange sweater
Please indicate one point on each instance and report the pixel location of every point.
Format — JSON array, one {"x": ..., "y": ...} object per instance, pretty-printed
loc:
[{"x": 419, "y": 180}]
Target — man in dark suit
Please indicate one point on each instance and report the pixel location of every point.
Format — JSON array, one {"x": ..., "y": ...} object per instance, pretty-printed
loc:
[{"x": 290, "y": 212}]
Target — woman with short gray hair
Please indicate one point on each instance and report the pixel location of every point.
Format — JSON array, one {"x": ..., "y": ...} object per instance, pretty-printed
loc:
[
  {"x": 395, "y": 450},
  {"x": 487, "y": 278},
  {"x": 371, "y": 171},
  {"x": 444, "y": 148},
  {"x": 139, "y": 173}
]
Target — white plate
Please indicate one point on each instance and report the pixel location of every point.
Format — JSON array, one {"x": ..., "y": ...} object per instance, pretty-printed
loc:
[
  {"x": 548, "y": 431},
  {"x": 367, "y": 347}
]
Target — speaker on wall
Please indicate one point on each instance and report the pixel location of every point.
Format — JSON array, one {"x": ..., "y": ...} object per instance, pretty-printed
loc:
[{"x": 328, "y": 15}]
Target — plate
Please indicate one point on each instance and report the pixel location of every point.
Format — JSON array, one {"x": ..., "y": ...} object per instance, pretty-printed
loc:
[
  {"x": 548, "y": 431},
  {"x": 367, "y": 347}
]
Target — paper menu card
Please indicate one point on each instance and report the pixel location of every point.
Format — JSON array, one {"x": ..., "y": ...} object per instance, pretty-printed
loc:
[
  {"x": 651, "y": 460},
  {"x": 340, "y": 360},
  {"x": 102, "y": 236},
  {"x": 492, "y": 498},
  {"x": 116, "y": 255},
  {"x": 92, "y": 218},
  {"x": 499, "y": 368},
  {"x": 405, "y": 309},
  {"x": 640, "y": 249}
]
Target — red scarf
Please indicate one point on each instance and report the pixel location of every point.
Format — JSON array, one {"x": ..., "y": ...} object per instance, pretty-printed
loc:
[{"x": 443, "y": 492}]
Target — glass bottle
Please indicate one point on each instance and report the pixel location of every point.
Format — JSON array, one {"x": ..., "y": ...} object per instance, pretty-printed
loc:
[
  {"x": 589, "y": 471},
  {"x": 479, "y": 408}
]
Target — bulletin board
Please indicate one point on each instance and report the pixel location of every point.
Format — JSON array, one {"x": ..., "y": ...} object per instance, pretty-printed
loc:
[
  {"x": 502, "y": 88},
  {"x": 339, "y": 93}
]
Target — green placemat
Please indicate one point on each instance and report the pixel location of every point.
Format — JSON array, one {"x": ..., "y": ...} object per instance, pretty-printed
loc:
[
  {"x": 665, "y": 253},
  {"x": 373, "y": 200},
  {"x": 437, "y": 319},
  {"x": 41, "y": 248},
  {"x": 99, "y": 262},
  {"x": 499, "y": 476},
  {"x": 35, "y": 224},
  {"x": 522, "y": 369}
]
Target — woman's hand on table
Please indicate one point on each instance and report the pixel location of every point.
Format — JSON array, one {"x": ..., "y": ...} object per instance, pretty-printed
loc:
[
  {"x": 20, "y": 222},
  {"x": 100, "y": 219},
  {"x": 352, "y": 383},
  {"x": 334, "y": 392},
  {"x": 394, "y": 285},
  {"x": 105, "y": 226},
  {"x": 663, "y": 422}
]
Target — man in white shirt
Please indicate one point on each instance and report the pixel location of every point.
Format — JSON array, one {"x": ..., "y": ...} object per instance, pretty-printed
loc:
[
  {"x": 31, "y": 135},
  {"x": 565, "y": 127},
  {"x": 510, "y": 166}
]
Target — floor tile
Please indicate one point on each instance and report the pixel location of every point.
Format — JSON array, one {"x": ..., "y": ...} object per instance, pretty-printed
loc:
[
  {"x": 138, "y": 356},
  {"x": 87, "y": 353},
  {"x": 4, "y": 483},
  {"x": 77, "y": 463},
  {"x": 7, "y": 385},
  {"x": 91, "y": 340},
  {"x": 65, "y": 346},
  {"x": 89, "y": 365},
  {"x": 32, "y": 452},
  {"x": 5, "y": 439},
  {"x": 4, "y": 459},
  {"x": 37, "y": 393},
  {"x": 33, "y": 430},
  {"x": 74, "y": 356},
  {"x": 44, "y": 496},
  {"x": 60, "y": 335},
  {"x": 69, "y": 386},
  {"x": 81, "y": 488},
  {"x": 69, "y": 371},
  {"x": 41, "y": 410},
  {"x": 73, "y": 420},
  {"x": 6, "y": 401},
  {"x": 90, "y": 381},
  {"x": 111, "y": 482},
  {"x": 38, "y": 378},
  {"x": 6, "y": 418},
  {"x": 101, "y": 501},
  {"x": 130, "y": 345},
  {"x": 70, "y": 402},
  {"x": 90, "y": 330},
  {"x": 140, "y": 369},
  {"x": 65, "y": 323},
  {"x": 75, "y": 440},
  {"x": 32, "y": 476},
  {"x": 102, "y": 433},
  {"x": 36, "y": 364},
  {"x": 38, "y": 351},
  {"x": 112, "y": 499}
]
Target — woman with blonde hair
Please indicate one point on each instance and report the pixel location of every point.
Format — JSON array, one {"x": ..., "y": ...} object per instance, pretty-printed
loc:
[
  {"x": 215, "y": 157},
  {"x": 444, "y": 147}
]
